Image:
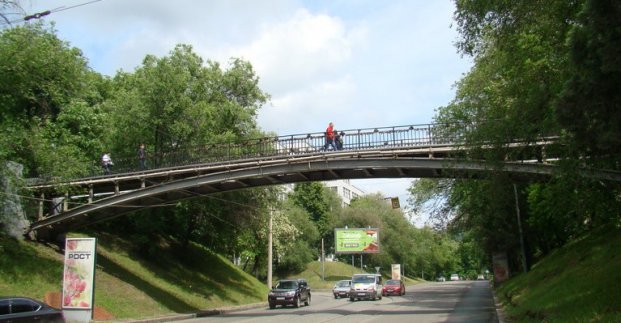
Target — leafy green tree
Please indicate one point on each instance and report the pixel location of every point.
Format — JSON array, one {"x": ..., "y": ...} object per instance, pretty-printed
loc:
[
  {"x": 321, "y": 205},
  {"x": 588, "y": 106},
  {"x": 529, "y": 81},
  {"x": 294, "y": 251},
  {"x": 47, "y": 110},
  {"x": 178, "y": 102}
]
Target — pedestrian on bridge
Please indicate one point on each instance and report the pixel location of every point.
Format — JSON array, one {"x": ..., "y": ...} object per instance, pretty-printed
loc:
[
  {"x": 330, "y": 137},
  {"x": 106, "y": 163},
  {"x": 338, "y": 139},
  {"x": 142, "y": 156}
]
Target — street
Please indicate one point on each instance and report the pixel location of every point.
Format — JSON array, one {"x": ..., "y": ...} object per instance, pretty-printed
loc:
[{"x": 461, "y": 301}]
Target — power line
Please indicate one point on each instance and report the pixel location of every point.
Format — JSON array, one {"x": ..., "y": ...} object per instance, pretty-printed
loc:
[{"x": 42, "y": 14}]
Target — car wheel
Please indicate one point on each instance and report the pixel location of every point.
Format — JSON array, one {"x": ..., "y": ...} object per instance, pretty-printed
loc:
[
  {"x": 272, "y": 306},
  {"x": 308, "y": 300},
  {"x": 297, "y": 302}
]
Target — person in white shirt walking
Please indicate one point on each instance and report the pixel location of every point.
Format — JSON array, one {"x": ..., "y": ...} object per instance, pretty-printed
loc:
[{"x": 106, "y": 162}]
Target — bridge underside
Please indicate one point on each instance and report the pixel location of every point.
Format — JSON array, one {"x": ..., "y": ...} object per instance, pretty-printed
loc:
[
  {"x": 126, "y": 195},
  {"x": 106, "y": 197}
]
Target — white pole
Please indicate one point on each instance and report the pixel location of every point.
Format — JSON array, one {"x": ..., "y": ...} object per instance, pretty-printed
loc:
[
  {"x": 323, "y": 261},
  {"x": 269, "y": 254}
]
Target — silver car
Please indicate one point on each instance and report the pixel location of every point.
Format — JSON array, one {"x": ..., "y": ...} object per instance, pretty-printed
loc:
[{"x": 341, "y": 288}]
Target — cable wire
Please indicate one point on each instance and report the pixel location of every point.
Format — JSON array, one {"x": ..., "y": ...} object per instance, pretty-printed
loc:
[{"x": 42, "y": 14}]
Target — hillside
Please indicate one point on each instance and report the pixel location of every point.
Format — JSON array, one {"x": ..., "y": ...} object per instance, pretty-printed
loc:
[
  {"x": 128, "y": 286},
  {"x": 580, "y": 282}
]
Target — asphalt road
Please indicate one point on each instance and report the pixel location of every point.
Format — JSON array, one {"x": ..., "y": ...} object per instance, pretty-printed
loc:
[{"x": 462, "y": 301}]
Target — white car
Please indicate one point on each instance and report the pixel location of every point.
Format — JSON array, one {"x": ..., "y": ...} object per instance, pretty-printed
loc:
[
  {"x": 454, "y": 277},
  {"x": 341, "y": 288}
]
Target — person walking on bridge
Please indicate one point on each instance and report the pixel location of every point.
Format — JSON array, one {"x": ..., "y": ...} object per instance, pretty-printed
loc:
[
  {"x": 329, "y": 137},
  {"x": 106, "y": 162},
  {"x": 142, "y": 157}
]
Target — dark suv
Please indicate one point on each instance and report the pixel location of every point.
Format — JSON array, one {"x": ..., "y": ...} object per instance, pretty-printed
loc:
[{"x": 290, "y": 291}]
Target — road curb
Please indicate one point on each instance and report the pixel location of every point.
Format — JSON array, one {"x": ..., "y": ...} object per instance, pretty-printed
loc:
[
  {"x": 204, "y": 313},
  {"x": 498, "y": 305}
]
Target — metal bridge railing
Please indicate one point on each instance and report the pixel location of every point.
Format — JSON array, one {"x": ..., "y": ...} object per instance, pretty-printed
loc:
[
  {"x": 296, "y": 144},
  {"x": 395, "y": 137}
]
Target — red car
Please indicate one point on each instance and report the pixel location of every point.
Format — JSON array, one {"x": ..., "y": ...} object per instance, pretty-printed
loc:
[{"x": 393, "y": 287}]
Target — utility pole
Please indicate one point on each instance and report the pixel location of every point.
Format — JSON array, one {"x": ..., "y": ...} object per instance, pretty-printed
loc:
[
  {"x": 323, "y": 261},
  {"x": 517, "y": 208},
  {"x": 269, "y": 254}
]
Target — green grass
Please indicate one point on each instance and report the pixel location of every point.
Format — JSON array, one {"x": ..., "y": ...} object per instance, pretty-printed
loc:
[
  {"x": 129, "y": 286},
  {"x": 580, "y": 282}
]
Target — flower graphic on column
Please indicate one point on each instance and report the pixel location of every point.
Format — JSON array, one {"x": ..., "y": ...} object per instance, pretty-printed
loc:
[{"x": 77, "y": 291}]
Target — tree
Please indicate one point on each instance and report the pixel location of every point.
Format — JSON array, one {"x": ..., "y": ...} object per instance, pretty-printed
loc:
[
  {"x": 294, "y": 251},
  {"x": 527, "y": 82},
  {"x": 321, "y": 205},
  {"x": 178, "y": 102},
  {"x": 47, "y": 111},
  {"x": 589, "y": 105}
]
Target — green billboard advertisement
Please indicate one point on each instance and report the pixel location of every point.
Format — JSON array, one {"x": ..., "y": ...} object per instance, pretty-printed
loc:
[{"x": 357, "y": 240}]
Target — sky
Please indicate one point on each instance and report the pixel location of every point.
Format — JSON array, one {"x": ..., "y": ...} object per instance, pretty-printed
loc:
[{"x": 356, "y": 63}]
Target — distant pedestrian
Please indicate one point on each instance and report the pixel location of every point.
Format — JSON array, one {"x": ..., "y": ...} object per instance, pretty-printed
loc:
[
  {"x": 338, "y": 139},
  {"x": 142, "y": 157},
  {"x": 106, "y": 163},
  {"x": 329, "y": 137}
]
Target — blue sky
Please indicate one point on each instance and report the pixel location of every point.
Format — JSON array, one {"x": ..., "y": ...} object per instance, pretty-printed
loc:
[{"x": 357, "y": 63}]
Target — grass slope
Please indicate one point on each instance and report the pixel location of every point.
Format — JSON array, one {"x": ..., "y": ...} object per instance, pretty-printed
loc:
[
  {"x": 580, "y": 282},
  {"x": 128, "y": 286}
]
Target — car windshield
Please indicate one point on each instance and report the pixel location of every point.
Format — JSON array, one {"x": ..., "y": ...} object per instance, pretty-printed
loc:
[
  {"x": 364, "y": 279},
  {"x": 288, "y": 284},
  {"x": 342, "y": 283},
  {"x": 392, "y": 282}
]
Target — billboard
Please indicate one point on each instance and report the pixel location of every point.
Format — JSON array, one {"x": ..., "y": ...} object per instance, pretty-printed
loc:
[{"x": 358, "y": 240}]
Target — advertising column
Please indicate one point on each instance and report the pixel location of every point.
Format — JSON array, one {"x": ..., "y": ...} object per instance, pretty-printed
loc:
[
  {"x": 396, "y": 271},
  {"x": 79, "y": 279}
]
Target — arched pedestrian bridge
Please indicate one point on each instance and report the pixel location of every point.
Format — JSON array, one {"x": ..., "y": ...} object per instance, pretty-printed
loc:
[{"x": 415, "y": 151}]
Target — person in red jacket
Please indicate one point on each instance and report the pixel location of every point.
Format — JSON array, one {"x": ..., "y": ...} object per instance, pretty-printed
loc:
[{"x": 330, "y": 137}]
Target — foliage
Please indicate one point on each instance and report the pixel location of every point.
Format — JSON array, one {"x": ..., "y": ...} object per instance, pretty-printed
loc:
[
  {"x": 419, "y": 251},
  {"x": 588, "y": 106},
  {"x": 540, "y": 70},
  {"x": 176, "y": 102},
  {"x": 45, "y": 83},
  {"x": 294, "y": 250},
  {"x": 321, "y": 205}
]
